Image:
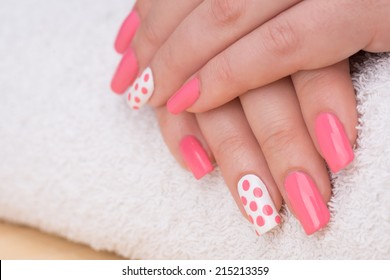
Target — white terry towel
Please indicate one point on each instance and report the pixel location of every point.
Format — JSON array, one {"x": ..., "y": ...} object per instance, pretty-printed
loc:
[{"x": 76, "y": 162}]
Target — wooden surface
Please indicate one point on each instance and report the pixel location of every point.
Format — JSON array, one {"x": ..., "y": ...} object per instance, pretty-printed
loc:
[{"x": 18, "y": 242}]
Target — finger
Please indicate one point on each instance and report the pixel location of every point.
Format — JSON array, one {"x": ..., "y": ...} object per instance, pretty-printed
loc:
[
  {"x": 242, "y": 165},
  {"x": 328, "y": 104},
  {"x": 161, "y": 20},
  {"x": 274, "y": 115},
  {"x": 185, "y": 141},
  {"x": 130, "y": 25},
  {"x": 309, "y": 35},
  {"x": 210, "y": 28}
]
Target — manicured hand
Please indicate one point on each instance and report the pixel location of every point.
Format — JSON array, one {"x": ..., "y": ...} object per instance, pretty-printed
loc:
[{"x": 273, "y": 138}]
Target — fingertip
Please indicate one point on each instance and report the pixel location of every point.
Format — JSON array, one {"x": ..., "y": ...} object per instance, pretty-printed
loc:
[
  {"x": 195, "y": 156},
  {"x": 333, "y": 141},
  {"x": 306, "y": 201},
  {"x": 125, "y": 73},
  {"x": 184, "y": 98},
  {"x": 126, "y": 32}
]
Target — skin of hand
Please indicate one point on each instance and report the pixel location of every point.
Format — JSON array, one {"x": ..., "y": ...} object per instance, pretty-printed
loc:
[{"x": 273, "y": 137}]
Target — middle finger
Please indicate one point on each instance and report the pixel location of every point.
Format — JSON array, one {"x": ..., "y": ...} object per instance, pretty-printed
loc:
[{"x": 275, "y": 117}]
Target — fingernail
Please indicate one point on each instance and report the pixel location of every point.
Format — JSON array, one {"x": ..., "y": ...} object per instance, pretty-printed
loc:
[
  {"x": 333, "y": 142},
  {"x": 306, "y": 202},
  {"x": 184, "y": 98},
  {"x": 258, "y": 204},
  {"x": 141, "y": 90},
  {"x": 127, "y": 32},
  {"x": 125, "y": 73},
  {"x": 195, "y": 156}
]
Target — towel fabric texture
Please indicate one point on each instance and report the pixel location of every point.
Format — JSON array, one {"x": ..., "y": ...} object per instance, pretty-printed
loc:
[{"x": 76, "y": 162}]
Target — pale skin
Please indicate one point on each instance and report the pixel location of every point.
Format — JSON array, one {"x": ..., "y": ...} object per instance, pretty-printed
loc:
[{"x": 266, "y": 70}]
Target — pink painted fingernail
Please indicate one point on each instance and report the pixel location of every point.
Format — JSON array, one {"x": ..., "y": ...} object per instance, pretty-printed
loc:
[
  {"x": 195, "y": 156},
  {"x": 258, "y": 204},
  {"x": 127, "y": 32},
  {"x": 125, "y": 73},
  {"x": 333, "y": 142},
  {"x": 184, "y": 98},
  {"x": 306, "y": 202}
]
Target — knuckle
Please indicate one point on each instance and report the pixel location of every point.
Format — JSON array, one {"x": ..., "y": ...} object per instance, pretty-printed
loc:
[
  {"x": 280, "y": 136},
  {"x": 281, "y": 38},
  {"x": 223, "y": 69},
  {"x": 226, "y": 12},
  {"x": 169, "y": 59},
  {"x": 313, "y": 79},
  {"x": 150, "y": 33},
  {"x": 231, "y": 145}
]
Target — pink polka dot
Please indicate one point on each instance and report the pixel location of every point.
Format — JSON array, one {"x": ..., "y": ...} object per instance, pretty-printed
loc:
[
  {"x": 267, "y": 210},
  {"x": 129, "y": 97},
  {"x": 146, "y": 77},
  {"x": 250, "y": 219},
  {"x": 257, "y": 192},
  {"x": 137, "y": 99},
  {"x": 253, "y": 206},
  {"x": 136, "y": 86},
  {"x": 260, "y": 221},
  {"x": 258, "y": 234},
  {"x": 135, "y": 107},
  {"x": 277, "y": 219},
  {"x": 245, "y": 185},
  {"x": 243, "y": 200},
  {"x": 144, "y": 90}
]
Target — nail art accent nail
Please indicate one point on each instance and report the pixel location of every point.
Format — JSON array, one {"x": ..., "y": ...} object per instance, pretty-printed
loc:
[
  {"x": 306, "y": 202},
  {"x": 184, "y": 97},
  {"x": 141, "y": 90},
  {"x": 333, "y": 142},
  {"x": 126, "y": 32},
  {"x": 195, "y": 156},
  {"x": 125, "y": 73},
  {"x": 258, "y": 204}
]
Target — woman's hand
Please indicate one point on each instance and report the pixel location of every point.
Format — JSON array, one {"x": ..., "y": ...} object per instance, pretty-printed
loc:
[
  {"x": 278, "y": 134},
  {"x": 223, "y": 48}
]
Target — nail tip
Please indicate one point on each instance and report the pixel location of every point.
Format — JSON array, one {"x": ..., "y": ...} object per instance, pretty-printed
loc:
[
  {"x": 320, "y": 226},
  {"x": 184, "y": 98},
  {"x": 195, "y": 156},
  {"x": 125, "y": 73},
  {"x": 126, "y": 32},
  {"x": 173, "y": 111},
  {"x": 273, "y": 227},
  {"x": 171, "y": 108},
  {"x": 335, "y": 168},
  {"x": 333, "y": 141},
  {"x": 307, "y": 202},
  {"x": 258, "y": 203},
  {"x": 117, "y": 89},
  {"x": 206, "y": 171},
  {"x": 119, "y": 49}
]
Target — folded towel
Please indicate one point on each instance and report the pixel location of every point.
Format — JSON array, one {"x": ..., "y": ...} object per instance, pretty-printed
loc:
[{"x": 76, "y": 162}]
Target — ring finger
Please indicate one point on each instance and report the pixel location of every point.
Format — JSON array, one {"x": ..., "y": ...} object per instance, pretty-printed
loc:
[
  {"x": 275, "y": 117},
  {"x": 242, "y": 164}
]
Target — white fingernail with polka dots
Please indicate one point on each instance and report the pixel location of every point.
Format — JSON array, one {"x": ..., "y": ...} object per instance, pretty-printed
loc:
[
  {"x": 258, "y": 204},
  {"x": 141, "y": 90}
]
